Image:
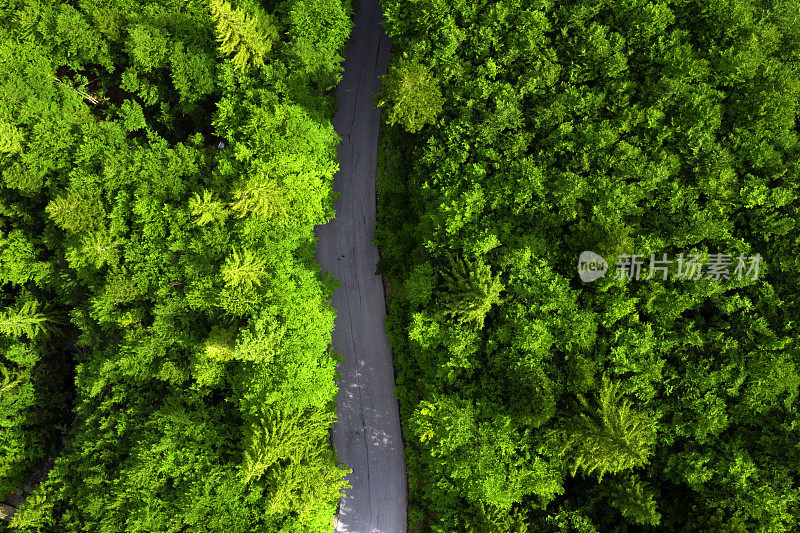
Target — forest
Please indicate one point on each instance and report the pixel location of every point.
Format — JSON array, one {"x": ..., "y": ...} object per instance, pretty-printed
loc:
[
  {"x": 164, "y": 327},
  {"x": 518, "y": 135}
]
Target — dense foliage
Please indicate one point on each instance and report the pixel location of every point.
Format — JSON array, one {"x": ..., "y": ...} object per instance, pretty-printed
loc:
[
  {"x": 532, "y": 400},
  {"x": 163, "y": 165}
]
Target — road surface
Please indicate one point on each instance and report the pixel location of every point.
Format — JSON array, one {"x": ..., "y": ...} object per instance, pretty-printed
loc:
[{"x": 367, "y": 431}]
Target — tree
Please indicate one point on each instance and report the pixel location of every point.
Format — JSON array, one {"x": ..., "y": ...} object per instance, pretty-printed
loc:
[
  {"x": 281, "y": 446},
  {"x": 10, "y": 138},
  {"x": 245, "y": 35},
  {"x": 634, "y": 499},
  {"x": 320, "y": 57},
  {"x": 206, "y": 208},
  {"x": 471, "y": 290},
  {"x": 280, "y": 435},
  {"x": 76, "y": 211},
  {"x": 27, "y": 320},
  {"x": 244, "y": 270},
  {"x": 262, "y": 197},
  {"x": 411, "y": 94},
  {"x": 611, "y": 437}
]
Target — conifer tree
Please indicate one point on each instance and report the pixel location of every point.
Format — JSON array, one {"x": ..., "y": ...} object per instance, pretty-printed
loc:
[
  {"x": 282, "y": 451},
  {"x": 243, "y": 270},
  {"x": 471, "y": 290},
  {"x": 76, "y": 211},
  {"x": 26, "y": 320},
  {"x": 206, "y": 208},
  {"x": 611, "y": 437},
  {"x": 219, "y": 345},
  {"x": 634, "y": 499},
  {"x": 492, "y": 518},
  {"x": 10, "y": 138},
  {"x": 100, "y": 248},
  {"x": 260, "y": 197},
  {"x": 280, "y": 435},
  {"x": 243, "y": 34},
  {"x": 10, "y": 379}
]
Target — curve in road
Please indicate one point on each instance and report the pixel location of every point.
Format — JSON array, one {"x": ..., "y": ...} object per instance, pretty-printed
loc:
[{"x": 367, "y": 430}]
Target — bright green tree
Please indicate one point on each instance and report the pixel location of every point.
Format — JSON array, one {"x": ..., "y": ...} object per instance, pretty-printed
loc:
[
  {"x": 411, "y": 95},
  {"x": 610, "y": 437},
  {"x": 245, "y": 35}
]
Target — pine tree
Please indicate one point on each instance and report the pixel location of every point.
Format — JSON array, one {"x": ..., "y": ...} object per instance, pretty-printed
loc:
[
  {"x": 206, "y": 208},
  {"x": 219, "y": 344},
  {"x": 246, "y": 36},
  {"x": 76, "y": 211},
  {"x": 100, "y": 248},
  {"x": 471, "y": 290},
  {"x": 147, "y": 47},
  {"x": 285, "y": 449},
  {"x": 611, "y": 437},
  {"x": 27, "y": 320},
  {"x": 37, "y": 512},
  {"x": 492, "y": 518},
  {"x": 280, "y": 434},
  {"x": 10, "y": 138},
  {"x": 10, "y": 380},
  {"x": 243, "y": 270},
  {"x": 260, "y": 197},
  {"x": 634, "y": 499},
  {"x": 304, "y": 487}
]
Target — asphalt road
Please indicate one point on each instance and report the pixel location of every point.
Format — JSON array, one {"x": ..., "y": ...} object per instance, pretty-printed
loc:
[{"x": 367, "y": 431}]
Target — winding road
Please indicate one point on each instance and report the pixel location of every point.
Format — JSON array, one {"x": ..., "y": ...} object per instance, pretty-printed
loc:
[{"x": 367, "y": 430}]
